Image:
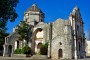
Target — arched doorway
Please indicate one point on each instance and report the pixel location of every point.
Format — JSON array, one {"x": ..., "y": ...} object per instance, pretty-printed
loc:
[
  {"x": 9, "y": 50},
  {"x": 37, "y": 39},
  {"x": 60, "y": 53},
  {"x": 39, "y": 45},
  {"x": 1, "y": 50},
  {"x": 17, "y": 44}
]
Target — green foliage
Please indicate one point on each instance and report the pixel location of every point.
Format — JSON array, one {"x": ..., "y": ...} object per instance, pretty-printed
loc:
[
  {"x": 3, "y": 34},
  {"x": 18, "y": 51},
  {"x": 46, "y": 44},
  {"x": 23, "y": 30},
  {"x": 26, "y": 50},
  {"x": 44, "y": 49},
  {"x": 7, "y": 12}
]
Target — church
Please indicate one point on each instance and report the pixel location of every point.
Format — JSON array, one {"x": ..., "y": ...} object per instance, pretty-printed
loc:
[{"x": 66, "y": 38}]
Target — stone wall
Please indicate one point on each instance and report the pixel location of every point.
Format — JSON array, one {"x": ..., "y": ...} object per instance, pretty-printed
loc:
[
  {"x": 12, "y": 37},
  {"x": 47, "y": 32},
  {"x": 61, "y": 39}
]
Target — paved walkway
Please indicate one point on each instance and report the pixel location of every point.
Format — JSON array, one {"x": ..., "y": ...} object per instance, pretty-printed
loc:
[
  {"x": 14, "y": 58},
  {"x": 28, "y": 58}
]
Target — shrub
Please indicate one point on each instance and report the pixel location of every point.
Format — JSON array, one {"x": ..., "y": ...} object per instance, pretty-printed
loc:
[
  {"x": 46, "y": 44},
  {"x": 44, "y": 49},
  {"x": 18, "y": 51},
  {"x": 26, "y": 50}
]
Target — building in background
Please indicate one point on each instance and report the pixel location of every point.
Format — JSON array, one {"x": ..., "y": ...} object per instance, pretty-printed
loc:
[
  {"x": 66, "y": 38},
  {"x": 87, "y": 48}
]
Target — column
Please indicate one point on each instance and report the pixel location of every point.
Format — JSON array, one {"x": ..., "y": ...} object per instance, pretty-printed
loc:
[
  {"x": 5, "y": 40},
  {"x": 75, "y": 42},
  {"x": 75, "y": 52},
  {"x": 49, "y": 51},
  {"x": 33, "y": 43},
  {"x": 4, "y": 46},
  {"x": 4, "y": 50},
  {"x": 50, "y": 38},
  {"x": 15, "y": 46}
]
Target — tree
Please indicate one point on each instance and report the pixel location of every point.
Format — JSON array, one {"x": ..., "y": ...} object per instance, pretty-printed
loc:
[
  {"x": 3, "y": 34},
  {"x": 7, "y": 13},
  {"x": 23, "y": 30}
]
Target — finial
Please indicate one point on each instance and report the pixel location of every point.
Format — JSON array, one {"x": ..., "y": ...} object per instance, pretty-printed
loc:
[{"x": 76, "y": 8}]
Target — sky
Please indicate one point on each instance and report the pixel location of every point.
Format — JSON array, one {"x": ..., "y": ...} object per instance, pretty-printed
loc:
[{"x": 53, "y": 10}]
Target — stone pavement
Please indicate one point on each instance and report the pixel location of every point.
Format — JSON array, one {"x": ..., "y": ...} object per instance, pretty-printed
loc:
[{"x": 28, "y": 58}]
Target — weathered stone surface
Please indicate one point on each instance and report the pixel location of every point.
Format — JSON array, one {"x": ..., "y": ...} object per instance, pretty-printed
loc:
[
  {"x": 65, "y": 37},
  {"x": 61, "y": 35}
]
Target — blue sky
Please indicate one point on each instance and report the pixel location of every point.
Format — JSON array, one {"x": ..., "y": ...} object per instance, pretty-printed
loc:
[{"x": 54, "y": 9}]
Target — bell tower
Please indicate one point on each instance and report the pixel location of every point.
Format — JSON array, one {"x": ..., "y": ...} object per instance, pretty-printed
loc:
[{"x": 33, "y": 15}]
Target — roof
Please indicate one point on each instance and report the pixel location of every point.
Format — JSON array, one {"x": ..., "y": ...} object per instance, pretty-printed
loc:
[{"x": 34, "y": 7}]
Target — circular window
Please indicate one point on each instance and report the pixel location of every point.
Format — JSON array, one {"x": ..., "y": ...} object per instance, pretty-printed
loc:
[{"x": 60, "y": 43}]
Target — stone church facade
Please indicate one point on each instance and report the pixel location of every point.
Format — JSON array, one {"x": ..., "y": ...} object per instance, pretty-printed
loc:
[{"x": 66, "y": 38}]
